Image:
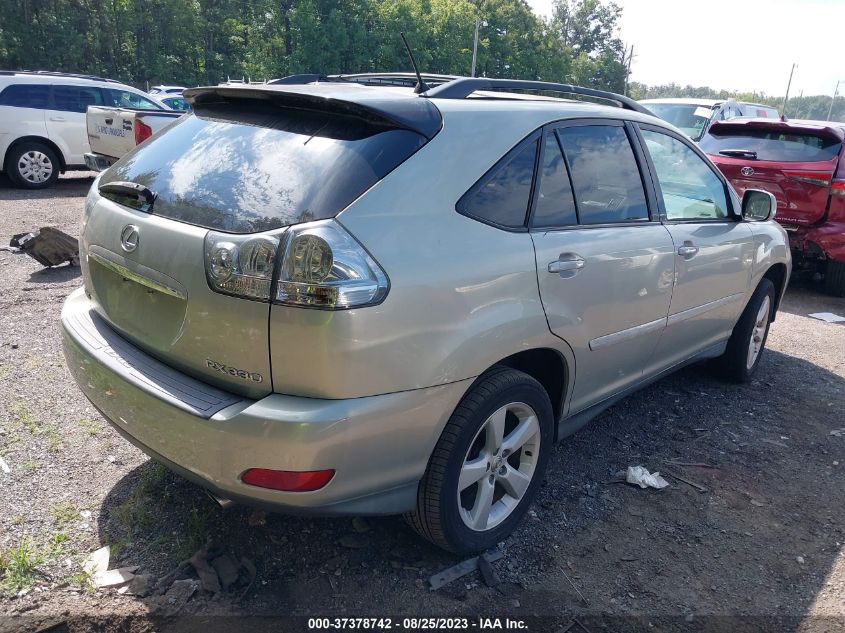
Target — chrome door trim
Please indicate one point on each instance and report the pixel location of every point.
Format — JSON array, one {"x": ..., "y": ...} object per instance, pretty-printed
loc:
[
  {"x": 623, "y": 335},
  {"x": 138, "y": 278},
  {"x": 691, "y": 313}
]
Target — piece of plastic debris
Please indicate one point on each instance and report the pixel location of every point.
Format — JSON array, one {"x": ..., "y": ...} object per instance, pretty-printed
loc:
[
  {"x": 48, "y": 246},
  {"x": 829, "y": 317},
  {"x": 800, "y": 560},
  {"x": 85, "y": 514},
  {"x": 4, "y": 466},
  {"x": 834, "y": 433},
  {"x": 97, "y": 562},
  {"x": 640, "y": 476},
  {"x": 114, "y": 577},
  {"x": 461, "y": 569}
]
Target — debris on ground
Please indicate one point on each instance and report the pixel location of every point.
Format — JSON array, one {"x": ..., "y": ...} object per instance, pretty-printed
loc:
[
  {"x": 698, "y": 487},
  {"x": 639, "y": 476},
  {"x": 834, "y": 433},
  {"x": 177, "y": 596},
  {"x": 4, "y": 466},
  {"x": 48, "y": 246},
  {"x": 114, "y": 577},
  {"x": 141, "y": 585},
  {"x": 97, "y": 562},
  {"x": 829, "y": 317},
  {"x": 488, "y": 574},
  {"x": 462, "y": 569}
]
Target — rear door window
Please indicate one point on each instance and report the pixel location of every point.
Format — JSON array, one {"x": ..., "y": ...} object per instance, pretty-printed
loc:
[
  {"x": 555, "y": 205},
  {"x": 251, "y": 167},
  {"x": 774, "y": 145},
  {"x": 605, "y": 175},
  {"x": 501, "y": 197},
  {"x": 26, "y": 96},
  {"x": 76, "y": 98}
]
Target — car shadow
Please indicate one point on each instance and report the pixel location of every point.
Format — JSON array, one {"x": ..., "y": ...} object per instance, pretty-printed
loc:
[
  {"x": 804, "y": 296},
  {"x": 55, "y": 274},
  {"x": 69, "y": 185},
  {"x": 721, "y": 540}
]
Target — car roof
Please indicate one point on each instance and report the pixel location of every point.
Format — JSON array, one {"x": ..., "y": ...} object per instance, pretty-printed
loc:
[
  {"x": 684, "y": 101},
  {"x": 53, "y": 78}
]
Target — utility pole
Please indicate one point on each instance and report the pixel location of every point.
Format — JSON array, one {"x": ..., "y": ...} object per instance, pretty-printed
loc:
[
  {"x": 835, "y": 92},
  {"x": 786, "y": 97},
  {"x": 628, "y": 69},
  {"x": 478, "y": 22}
]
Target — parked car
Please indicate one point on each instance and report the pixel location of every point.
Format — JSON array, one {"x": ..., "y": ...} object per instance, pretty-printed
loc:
[
  {"x": 694, "y": 116},
  {"x": 801, "y": 163},
  {"x": 42, "y": 121},
  {"x": 176, "y": 102},
  {"x": 161, "y": 91},
  {"x": 348, "y": 299},
  {"x": 112, "y": 132}
]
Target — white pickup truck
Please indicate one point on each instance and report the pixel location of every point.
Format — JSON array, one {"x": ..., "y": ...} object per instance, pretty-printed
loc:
[{"x": 112, "y": 132}]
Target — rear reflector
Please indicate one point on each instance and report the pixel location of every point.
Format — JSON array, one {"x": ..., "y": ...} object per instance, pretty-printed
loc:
[
  {"x": 142, "y": 132},
  {"x": 819, "y": 178},
  {"x": 287, "y": 480},
  {"x": 837, "y": 187}
]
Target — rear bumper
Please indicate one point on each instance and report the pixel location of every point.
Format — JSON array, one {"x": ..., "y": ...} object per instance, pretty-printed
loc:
[
  {"x": 98, "y": 162},
  {"x": 379, "y": 446},
  {"x": 826, "y": 241}
]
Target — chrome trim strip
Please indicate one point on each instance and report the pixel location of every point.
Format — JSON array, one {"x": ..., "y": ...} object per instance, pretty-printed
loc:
[
  {"x": 699, "y": 310},
  {"x": 124, "y": 272},
  {"x": 624, "y": 335}
]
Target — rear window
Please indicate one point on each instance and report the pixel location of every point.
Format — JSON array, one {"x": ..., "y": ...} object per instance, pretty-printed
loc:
[
  {"x": 262, "y": 167},
  {"x": 774, "y": 145},
  {"x": 26, "y": 96}
]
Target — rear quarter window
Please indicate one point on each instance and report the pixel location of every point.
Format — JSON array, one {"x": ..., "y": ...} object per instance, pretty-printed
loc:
[
  {"x": 774, "y": 145},
  {"x": 25, "y": 96}
]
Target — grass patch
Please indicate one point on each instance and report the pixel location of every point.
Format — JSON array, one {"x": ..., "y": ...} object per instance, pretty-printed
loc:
[
  {"x": 91, "y": 427},
  {"x": 194, "y": 536},
  {"x": 25, "y": 417},
  {"x": 54, "y": 438},
  {"x": 5, "y": 370},
  {"x": 64, "y": 514},
  {"x": 135, "y": 512},
  {"x": 18, "y": 565}
]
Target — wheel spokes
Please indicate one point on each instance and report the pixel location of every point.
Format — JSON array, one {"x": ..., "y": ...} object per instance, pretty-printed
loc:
[
  {"x": 473, "y": 471},
  {"x": 514, "y": 482},
  {"x": 524, "y": 431},
  {"x": 495, "y": 431},
  {"x": 480, "y": 512}
]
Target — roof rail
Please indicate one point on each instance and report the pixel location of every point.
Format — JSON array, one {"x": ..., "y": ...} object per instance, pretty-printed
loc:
[
  {"x": 50, "y": 73},
  {"x": 372, "y": 79},
  {"x": 463, "y": 87}
]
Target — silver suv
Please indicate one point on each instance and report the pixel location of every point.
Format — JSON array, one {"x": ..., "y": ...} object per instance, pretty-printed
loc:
[{"x": 346, "y": 298}]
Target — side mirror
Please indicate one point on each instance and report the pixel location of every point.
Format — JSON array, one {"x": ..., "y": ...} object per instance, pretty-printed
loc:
[{"x": 758, "y": 206}]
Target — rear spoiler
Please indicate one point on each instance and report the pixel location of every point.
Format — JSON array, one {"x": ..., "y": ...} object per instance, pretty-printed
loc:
[
  {"x": 785, "y": 127},
  {"x": 419, "y": 115}
]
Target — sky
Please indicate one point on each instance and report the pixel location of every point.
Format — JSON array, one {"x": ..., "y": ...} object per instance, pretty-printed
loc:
[{"x": 747, "y": 46}]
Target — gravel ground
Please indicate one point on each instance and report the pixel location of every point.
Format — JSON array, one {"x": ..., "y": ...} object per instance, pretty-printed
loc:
[{"x": 759, "y": 534}]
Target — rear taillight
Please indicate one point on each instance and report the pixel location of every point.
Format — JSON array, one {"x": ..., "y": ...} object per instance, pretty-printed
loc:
[
  {"x": 314, "y": 265},
  {"x": 822, "y": 179},
  {"x": 142, "y": 132},
  {"x": 837, "y": 187}
]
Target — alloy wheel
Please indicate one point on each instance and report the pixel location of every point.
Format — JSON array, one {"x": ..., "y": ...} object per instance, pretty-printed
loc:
[
  {"x": 758, "y": 332},
  {"x": 499, "y": 466}
]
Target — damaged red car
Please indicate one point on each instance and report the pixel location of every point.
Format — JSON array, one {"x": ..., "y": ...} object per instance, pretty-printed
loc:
[{"x": 801, "y": 163}]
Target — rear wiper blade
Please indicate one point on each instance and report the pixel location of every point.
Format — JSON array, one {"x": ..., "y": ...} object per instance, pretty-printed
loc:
[
  {"x": 744, "y": 153},
  {"x": 131, "y": 194}
]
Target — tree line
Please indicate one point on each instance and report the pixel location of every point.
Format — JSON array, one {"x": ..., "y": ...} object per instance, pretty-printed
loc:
[
  {"x": 199, "y": 42},
  {"x": 811, "y": 107}
]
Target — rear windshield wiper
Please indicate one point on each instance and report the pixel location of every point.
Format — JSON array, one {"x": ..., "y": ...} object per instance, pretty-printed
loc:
[
  {"x": 130, "y": 194},
  {"x": 741, "y": 153}
]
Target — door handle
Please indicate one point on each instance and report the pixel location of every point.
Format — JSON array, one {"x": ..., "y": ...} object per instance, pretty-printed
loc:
[
  {"x": 60, "y": 119},
  {"x": 566, "y": 265},
  {"x": 688, "y": 250}
]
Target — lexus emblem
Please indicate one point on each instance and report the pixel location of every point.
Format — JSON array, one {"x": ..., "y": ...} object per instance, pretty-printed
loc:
[
  {"x": 129, "y": 238},
  {"x": 747, "y": 171}
]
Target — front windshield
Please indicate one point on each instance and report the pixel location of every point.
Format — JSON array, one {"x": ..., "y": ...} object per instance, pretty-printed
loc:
[{"x": 690, "y": 119}]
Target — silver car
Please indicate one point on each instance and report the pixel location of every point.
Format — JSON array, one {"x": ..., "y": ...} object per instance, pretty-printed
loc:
[{"x": 347, "y": 298}]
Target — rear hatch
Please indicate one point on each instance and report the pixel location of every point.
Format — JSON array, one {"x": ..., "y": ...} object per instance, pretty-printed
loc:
[
  {"x": 245, "y": 162},
  {"x": 795, "y": 162}
]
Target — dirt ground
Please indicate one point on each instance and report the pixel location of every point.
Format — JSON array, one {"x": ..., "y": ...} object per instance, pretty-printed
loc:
[{"x": 753, "y": 541}]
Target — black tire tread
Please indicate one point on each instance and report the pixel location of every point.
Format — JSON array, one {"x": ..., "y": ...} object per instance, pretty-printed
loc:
[
  {"x": 732, "y": 364},
  {"x": 12, "y": 171},
  {"x": 834, "y": 278}
]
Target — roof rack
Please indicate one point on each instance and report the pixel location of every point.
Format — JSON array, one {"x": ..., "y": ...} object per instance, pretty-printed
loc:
[
  {"x": 463, "y": 87},
  {"x": 50, "y": 73},
  {"x": 368, "y": 79}
]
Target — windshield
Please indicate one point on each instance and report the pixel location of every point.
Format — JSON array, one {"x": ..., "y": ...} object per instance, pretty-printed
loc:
[{"x": 690, "y": 119}]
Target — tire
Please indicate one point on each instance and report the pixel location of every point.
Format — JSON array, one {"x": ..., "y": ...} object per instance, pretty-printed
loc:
[
  {"x": 503, "y": 398},
  {"x": 834, "y": 278},
  {"x": 739, "y": 362},
  {"x": 32, "y": 165}
]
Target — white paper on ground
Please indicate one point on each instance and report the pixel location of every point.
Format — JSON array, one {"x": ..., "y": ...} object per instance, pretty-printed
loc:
[
  {"x": 640, "y": 476},
  {"x": 4, "y": 466},
  {"x": 828, "y": 316},
  {"x": 97, "y": 562}
]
